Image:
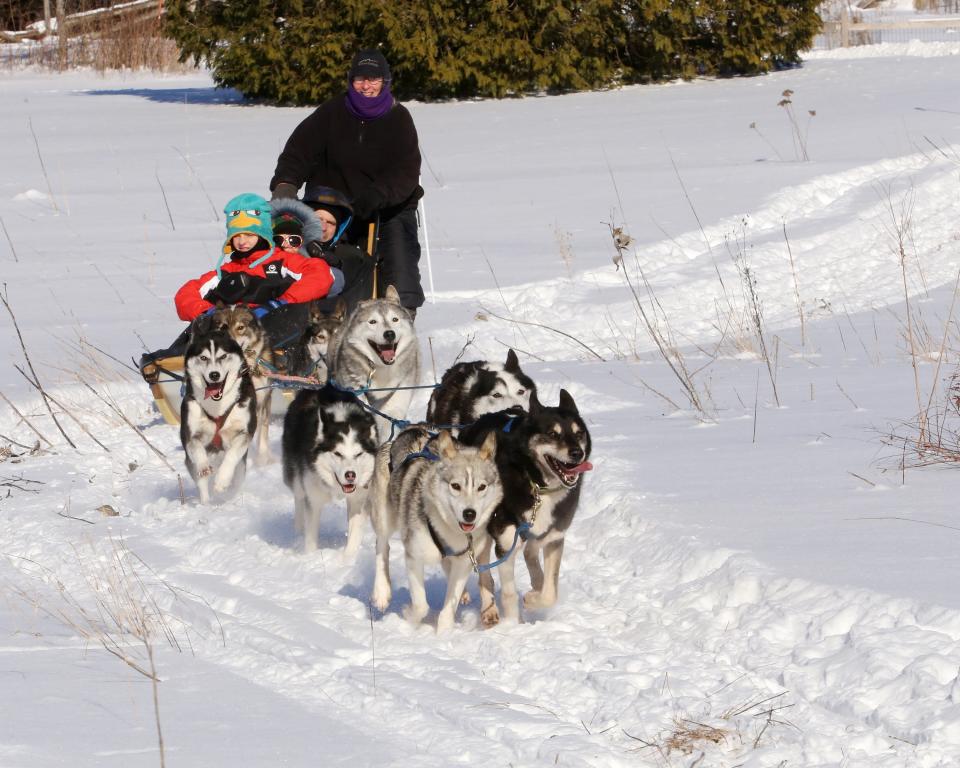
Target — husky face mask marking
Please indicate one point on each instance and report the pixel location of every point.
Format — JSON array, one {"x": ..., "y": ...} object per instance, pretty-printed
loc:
[
  {"x": 561, "y": 442},
  {"x": 344, "y": 455},
  {"x": 467, "y": 483},
  {"x": 382, "y": 335},
  {"x": 213, "y": 366}
]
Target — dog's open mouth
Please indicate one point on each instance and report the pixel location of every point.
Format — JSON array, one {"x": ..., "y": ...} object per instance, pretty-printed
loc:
[
  {"x": 214, "y": 391},
  {"x": 467, "y": 527},
  {"x": 386, "y": 352},
  {"x": 569, "y": 474},
  {"x": 348, "y": 487}
]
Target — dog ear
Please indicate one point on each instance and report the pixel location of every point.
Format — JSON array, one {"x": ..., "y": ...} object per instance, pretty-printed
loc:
[
  {"x": 513, "y": 364},
  {"x": 391, "y": 295},
  {"x": 488, "y": 450},
  {"x": 535, "y": 405},
  {"x": 566, "y": 402},
  {"x": 340, "y": 310},
  {"x": 446, "y": 445}
]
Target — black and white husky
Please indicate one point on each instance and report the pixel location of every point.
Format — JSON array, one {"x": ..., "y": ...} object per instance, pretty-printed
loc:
[
  {"x": 329, "y": 445},
  {"x": 439, "y": 495},
  {"x": 541, "y": 456},
  {"x": 218, "y": 415},
  {"x": 240, "y": 322},
  {"x": 469, "y": 390},
  {"x": 377, "y": 347}
]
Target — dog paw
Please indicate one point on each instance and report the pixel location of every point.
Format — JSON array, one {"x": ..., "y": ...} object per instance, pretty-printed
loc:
[
  {"x": 534, "y": 600},
  {"x": 415, "y": 614},
  {"x": 465, "y": 598},
  {"x": 490, "y": 617},
  {"x": 380, "y": 598},
  {"x": 220, "y": 483},
  {"x": 205, "y": 472},
  {"x": 264, "y": 459},
  {"x": 445, "y": 622}
]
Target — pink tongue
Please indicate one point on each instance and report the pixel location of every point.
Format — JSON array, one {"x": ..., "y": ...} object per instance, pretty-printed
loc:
[
  {"x": 388, "y": 354},
  {"x": 584, "y": 467},
  {"x": 213, "y": 390}
]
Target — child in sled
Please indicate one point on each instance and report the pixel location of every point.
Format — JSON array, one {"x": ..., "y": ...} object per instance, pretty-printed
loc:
[{"x": 275, "y": 282}]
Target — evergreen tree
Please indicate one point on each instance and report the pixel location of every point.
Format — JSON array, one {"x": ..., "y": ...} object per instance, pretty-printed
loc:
[{"x": 297, "y": 51}]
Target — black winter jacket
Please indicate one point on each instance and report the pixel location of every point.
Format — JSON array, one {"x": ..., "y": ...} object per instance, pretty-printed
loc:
[{"x": 375, "y": 162}]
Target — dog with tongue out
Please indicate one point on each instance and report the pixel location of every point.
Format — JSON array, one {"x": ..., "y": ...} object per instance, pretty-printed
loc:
[
  {"x": 376, "y": 352},
  {"x": 542, "y": 457},
  {"x": 218, "y": 415}
]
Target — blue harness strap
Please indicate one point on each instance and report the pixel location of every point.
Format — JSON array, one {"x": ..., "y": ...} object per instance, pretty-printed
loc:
[{"x": 522, "y": 532}]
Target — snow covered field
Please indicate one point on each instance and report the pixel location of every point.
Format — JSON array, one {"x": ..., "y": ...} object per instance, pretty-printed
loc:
[{"x": 756, "y": 586}]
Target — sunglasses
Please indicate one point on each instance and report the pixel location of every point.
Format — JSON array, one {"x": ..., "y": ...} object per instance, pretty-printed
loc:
[{"x": 294, "y": 241}]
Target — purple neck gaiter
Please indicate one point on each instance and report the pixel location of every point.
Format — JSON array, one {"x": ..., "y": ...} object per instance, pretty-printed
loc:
[{"x": 369, "y": 108}]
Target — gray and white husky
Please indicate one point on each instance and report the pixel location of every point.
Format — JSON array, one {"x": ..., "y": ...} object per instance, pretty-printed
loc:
[
  {"x": 541, "y": 457},
  {"x": 329, "y": 445},
  {"x": 240, "y": 322},
  {"x": 469, "y": 390},
  {"x": 377, "y": 347},
  {"x": 218, "y": 415},
  {"x": 439, "y": 495}
]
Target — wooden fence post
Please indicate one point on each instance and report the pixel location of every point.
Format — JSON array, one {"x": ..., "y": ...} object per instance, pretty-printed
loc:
[{"x": 844, "y": 26}]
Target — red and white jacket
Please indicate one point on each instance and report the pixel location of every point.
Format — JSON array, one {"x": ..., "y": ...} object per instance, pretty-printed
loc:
[{"x": 293, "y": 277}]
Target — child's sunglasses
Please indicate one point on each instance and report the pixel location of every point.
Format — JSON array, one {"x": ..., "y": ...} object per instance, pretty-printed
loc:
[{"x": 281, "y": 241}]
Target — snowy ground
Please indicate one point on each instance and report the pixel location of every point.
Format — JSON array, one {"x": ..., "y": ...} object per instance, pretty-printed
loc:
[{"x": 759, "y": 586}]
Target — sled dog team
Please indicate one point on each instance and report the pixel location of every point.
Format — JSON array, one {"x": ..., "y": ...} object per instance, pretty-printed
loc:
[{"x": 490, "y": 473}]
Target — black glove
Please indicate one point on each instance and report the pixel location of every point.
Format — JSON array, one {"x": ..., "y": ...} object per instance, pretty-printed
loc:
[
  {"x": 284, "y": 189},
  {"x": 366, "y": 203},
  {"x": 315, "y": 249}
]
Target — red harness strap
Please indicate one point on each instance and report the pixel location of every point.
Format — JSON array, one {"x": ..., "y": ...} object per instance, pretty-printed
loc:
[{"x": 217, "y": 441}]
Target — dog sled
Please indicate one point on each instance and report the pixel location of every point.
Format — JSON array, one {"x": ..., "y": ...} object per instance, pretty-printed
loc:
[{"x": 163, "y": 370}]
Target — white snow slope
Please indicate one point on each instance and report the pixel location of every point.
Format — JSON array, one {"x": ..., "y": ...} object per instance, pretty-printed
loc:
[{"x": 754, "y": 585}]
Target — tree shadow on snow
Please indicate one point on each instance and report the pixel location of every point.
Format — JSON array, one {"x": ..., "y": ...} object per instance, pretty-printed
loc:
[{"x": 176, "y": 95}]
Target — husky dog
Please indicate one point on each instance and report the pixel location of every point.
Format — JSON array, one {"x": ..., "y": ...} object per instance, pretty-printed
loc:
[
  {"x": 377, "y": 347},
  {"x": 541, "y": 457},
  {"x": 329, "y": 445},
  {"x": 240, "y": 322},
  {"x": 439, "y": 495},
  {"x": 469, "y": 390},
  {"x": 218, "y": 413},
  {"x": 309, "y": 356}
]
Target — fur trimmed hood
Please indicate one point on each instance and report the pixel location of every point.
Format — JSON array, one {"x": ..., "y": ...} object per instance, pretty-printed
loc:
[{"x": 312, "y": 228}]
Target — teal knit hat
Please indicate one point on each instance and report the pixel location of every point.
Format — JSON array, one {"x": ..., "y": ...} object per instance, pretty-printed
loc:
[{"x": 247, "y": 213}]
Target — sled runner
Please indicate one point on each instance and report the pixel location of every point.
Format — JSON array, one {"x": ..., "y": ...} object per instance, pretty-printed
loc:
[{"x": 163, "y": 370}]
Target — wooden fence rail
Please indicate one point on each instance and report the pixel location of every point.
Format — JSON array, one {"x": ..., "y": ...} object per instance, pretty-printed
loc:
[
  {"x": 846, "y": 31},
  {"x": 133, "y": 9}
]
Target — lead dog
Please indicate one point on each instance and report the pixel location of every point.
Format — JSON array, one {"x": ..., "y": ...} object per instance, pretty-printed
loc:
[
  {"x": 218, "y": 414},
  {"x": 377, "y": 348},
  {"x": 469, "y": 390},
  {"x": 329, "y": 444},
  {"x": 240, "y": 322},
  {"x": 439, "y": 497},
  {"x": 541, "y": 457}
]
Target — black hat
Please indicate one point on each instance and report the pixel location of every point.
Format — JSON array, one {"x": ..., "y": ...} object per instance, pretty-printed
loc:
[
  {"x": 328, "y": 199},
  {"x": 369, "y": 63},
  {"x": 287, "y": 224}
]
